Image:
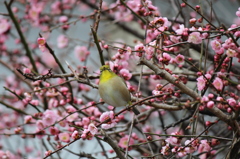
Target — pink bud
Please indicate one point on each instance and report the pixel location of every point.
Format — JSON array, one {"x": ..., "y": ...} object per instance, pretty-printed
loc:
[{"x": 210, "y": 104}]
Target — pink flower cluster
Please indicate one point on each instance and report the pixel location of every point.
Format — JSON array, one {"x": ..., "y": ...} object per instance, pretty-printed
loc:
[{"x": 173, "y": 145}]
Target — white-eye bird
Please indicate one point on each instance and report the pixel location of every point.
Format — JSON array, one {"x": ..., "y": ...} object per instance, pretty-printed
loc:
[{"x": 113, "y": 89}]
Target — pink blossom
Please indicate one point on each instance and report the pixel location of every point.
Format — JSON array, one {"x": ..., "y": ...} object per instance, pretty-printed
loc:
[
  {"x": 85, "y": 121},
  {"x": 64, "y": 137},
  {"x": 165, "y": 150},
  {"x": 195, "y": 38},
  {"x": 49, "y": 117},
  {"x": 108, "y": 116},
  {"x": 28, "y": 119},
  {"x": 34, "y": 102},
  {"x": 41, "y": 44},
  {"x": 237, "y": 34},
  {"x": 191, "y": 147},
  {"x": 54, "y": 130},
  {"x": 150, "y": 49},
  {"x": 139, "y": 47},
  {"x": 192, "y": 21},
  {"x": 205, "y": 99},
  {"x": 238, "y": 12},
  {"x": 125, "y": 74},
  {"x": 72, "y": 117},
  {"x": 216, "y": 45},
  {"x": 229, "y": 44},
  {"x": 41, "y": 41},
  {"x": 218, "y": 83},
  {"x": 174, "y": 140},
  {"x": 134, "y": 5},
  {"x": 231, "y": 53},
  {"x": 75, "y": 135},
  {"x": 86, "y": 134},
  {"x": 180, "y": 30},
  {"x": 124, "y": 16},
  {"x": 70, "y": 109},
  {"x": 56, "y": 7},
  {"x": 92, "y": 128},
  {"x": 63, "y": 19},
  {"x": 210, "y": 104},
  {"x": 201, "y": 83},
  {"x": 81, "y": 52},
  {"x": 123, "y": 143},
  {"x": 232, "y": 102},
  {"x": 204, "y": 147},
  {"x": 62, "y": 41},
  {"x": 28, "y": 96},
  {"x": 220, "y": 51},
  {"x": 180, "y": 151},
  {"x": 179, "y": 59},
  {"x": 165, "y": 58},
  {"x": 34, "y": 12},
  {"x": 220, "y": 99},
  {"x": 4, "y": 25},
  {"x": 160, "y": 22},
  {"x": 175, "y": 39},
  {"x": 150, "y": 6},
  {"x": 208, "y": 76},
  {"x": 53, "y": 103},
  {"x": 40, "y": 125},
  {"x": 47, "y": 153}
]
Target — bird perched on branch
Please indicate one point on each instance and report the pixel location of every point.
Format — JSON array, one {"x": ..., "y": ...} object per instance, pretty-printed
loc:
[{"x": 113, "y": 89}]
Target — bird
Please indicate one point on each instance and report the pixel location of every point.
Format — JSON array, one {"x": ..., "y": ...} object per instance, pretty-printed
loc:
[{"x": 113, "y": 89}]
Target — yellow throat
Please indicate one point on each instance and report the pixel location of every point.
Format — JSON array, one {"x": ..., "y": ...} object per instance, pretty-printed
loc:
[{"x": 106, "y": 73}]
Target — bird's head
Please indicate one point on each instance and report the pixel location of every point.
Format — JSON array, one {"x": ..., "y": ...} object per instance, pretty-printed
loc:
[{"x": 105, "y": 67}]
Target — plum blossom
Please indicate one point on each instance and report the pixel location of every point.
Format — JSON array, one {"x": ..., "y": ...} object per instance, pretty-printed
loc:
[
  {"x": 72, "y": 117},
  {"x": 165, "y": 59},
  {"x": 54, "y": 130},
  {"x": 160, "y": 22},
  {"x": 216, "y": 45},
  {"x": 4, "y": 25},
  {"x": 150, "y": 49},
  {"x": 56, "y": 7},
  {"x": 218, "y": 83},
  {"x": 192, "y": 145},
  {"x": 86, "y": 134},
  {"x": 210, "y": 104},
  {"x": 180, "y": 151},
  {"x": 140, "y": 48},
  {"x": 179, "y": 59},
  {"x": 180, "y": 30},
  {"x": 62, "y": 41},
  {"x": 165, "y": 150},
  {"x": 92, "y": 128},
  {"x": 123, "y": 143},
  {"x": 75, "y": 135},
  {"x": 195, "y": 38},
  {"x": 231, "y": 53},
  {"x": 204, "y": 147},
  {"x": 64, "y": 137},
  {"x": 125, "y": 74},
  {"x": 41, "y": 44},
  {"x": 49, "y": 117},
  {"x": 106, "y": 116},
  {"x": 81, "y": 52},
  {"x": 28, "y": 119},
  {"x": 174, "y": 140},
  {"x": 232, "y": 102},
  {"x": 238, "y": 12},
  {"x": 201, "y": 83},
  {"x": 6, "y": 155}
]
